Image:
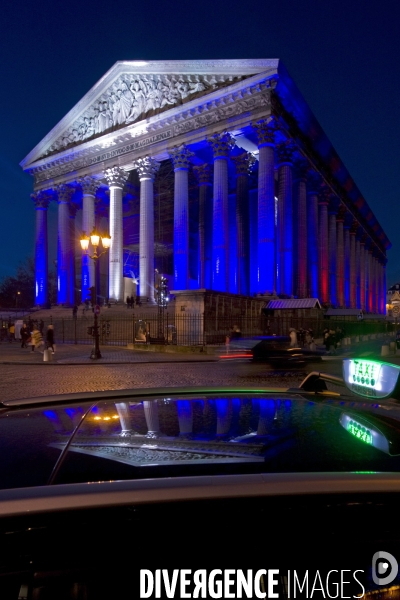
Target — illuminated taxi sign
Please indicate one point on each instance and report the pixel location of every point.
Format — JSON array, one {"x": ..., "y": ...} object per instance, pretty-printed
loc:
[
  {"x": 370, "y": 378},
  {"x": 365, "y": 432},
  {"x": 359, "y": 431}
]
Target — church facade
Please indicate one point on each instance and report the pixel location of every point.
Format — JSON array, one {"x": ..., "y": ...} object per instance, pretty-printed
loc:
[{"x": 258, "y": 201}]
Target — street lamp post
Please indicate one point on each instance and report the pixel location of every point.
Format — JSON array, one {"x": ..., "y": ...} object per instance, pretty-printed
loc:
[
  {"x": 94, "y": 240},
  {"x": 17, "y": 298},
  {"x": 162, "y": 302}
]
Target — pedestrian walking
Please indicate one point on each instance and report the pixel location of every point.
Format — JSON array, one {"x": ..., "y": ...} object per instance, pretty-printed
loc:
[
  {"x": 37, "y": 340},
  {"x": 128, "y": 302},
  {"x": 293, "y": 338},
  {"x": 75, "y": 311},
  {"x": 25, "y": 335},
  {"x": 11, "y": 333},
  {"x": 50, "y": 338},
  {"x": 132, "y": 301}
]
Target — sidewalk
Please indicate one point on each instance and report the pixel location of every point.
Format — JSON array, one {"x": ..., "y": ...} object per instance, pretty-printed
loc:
[{"x": 74, "y": 354}]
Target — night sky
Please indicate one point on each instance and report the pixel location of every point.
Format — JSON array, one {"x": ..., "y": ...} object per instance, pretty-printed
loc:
[{"x": 344, "y": 57}]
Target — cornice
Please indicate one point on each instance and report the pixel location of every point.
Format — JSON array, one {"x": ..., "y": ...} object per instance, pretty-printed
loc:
[
  {"x": 226, "y": 68},
  {"x": 197, "y": 114}
]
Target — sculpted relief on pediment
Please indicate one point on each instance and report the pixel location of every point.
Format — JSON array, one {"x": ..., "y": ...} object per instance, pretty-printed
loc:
[{"x": 133, "y": 97}]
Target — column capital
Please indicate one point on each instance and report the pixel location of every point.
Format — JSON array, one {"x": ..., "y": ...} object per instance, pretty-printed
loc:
[
  {"x": 203, "y": 173},
  {"x": 265, "y": 129},
  {"x": 41, "y": 200},
  {"x": 116, "y": 177},
  {"x": 324, "y": 195},
  {"x": 180, "y": 156},
  {"x": 244, "y": 163},
  {"x": 284, "y": 152},
  {"x": 354, "y": 227},
  {"x": 147, "y": 168},
  {"x": 63, "y": 193},
  {"x": 222, "y": 144},
  {"x": 89, "y": 185}
]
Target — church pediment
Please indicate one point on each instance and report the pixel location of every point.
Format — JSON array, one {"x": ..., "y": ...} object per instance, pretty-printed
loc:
[{"x": 133, "y": 91}]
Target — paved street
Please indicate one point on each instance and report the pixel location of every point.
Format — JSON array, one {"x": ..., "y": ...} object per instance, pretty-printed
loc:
[{"x": 25, "y": 374}]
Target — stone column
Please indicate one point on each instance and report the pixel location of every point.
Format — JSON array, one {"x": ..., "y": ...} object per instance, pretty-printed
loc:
[
  {"x": 340, "y": 257},
  {"x": 147, "y": 168},
  {"x": 151, "y": 416},
  {"x": 353, "y": 232},
  {"x": 89, "y": 186},
  {"x": 346, "y": 226},
  {"x": 362, "y": 272},
  {"x": 224, "y": 416},
  {"x": 243, "y": 164},
  {"x": 300, "y": 229},
  {"x": 203, "y": 174},
  {"x": 222, "y": 144},
  {"x": 266, "y": 263},
  {"x": 314, "y": 184},
  {"x": 185, "y": 417},
  {"x": 116, "y": 178},
  {"x": 323, "y": 245},
  {"x": 374, "y": 284},
  {"x": 72, "y": 210},
  {"x": 332, "y": 249},
  {"x": 369, "y": 271},
  {"x": 63, "y": 250},
  {"x": 358, "y": 268},
  {"x": 41, "y": 201},
  {"x": 101, "y": 211},
  {"x": 285, "y": 219},
  {"x": 180, "y": 158}
]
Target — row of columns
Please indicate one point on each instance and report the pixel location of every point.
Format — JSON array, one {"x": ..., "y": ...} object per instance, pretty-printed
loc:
[{"x": 297, "y": 240}]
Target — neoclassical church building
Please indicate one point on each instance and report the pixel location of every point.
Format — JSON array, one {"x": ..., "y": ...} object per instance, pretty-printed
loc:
[{"x": 214, "y": 173}]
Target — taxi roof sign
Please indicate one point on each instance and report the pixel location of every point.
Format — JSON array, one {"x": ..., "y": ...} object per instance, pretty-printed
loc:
[{"x": 371, "y": 378}]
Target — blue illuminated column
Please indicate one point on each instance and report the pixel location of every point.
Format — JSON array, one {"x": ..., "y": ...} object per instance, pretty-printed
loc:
[
  {"x": 222, "y": 144},
  {"x": 152, "y": 419},
  {"x": 340, "y": 287},
  {"x": 300, "y": 237},
  {"x": 374, "y": 284},
  {"x": 243, "y": 163},
  {"x": 41, "y": 201},
  {"x": 185, "y": 417},
  {"x": 362, "y": 272},
  {"x": 116, "y": 177},
  {"x": 383, "y": 288},
  {"x": 101, "y": 211},
  {"x": 353, "y": 232},
  {"x": 224, "y": 415},
  {"x": 358, "y": 267},
  {"x": 63, "y": 251},
  {"x": 285, "y": 219},
  {"x": 266, "y": 248},
  {"x": 180, "y": 157},
  {"x": 323, "y": 202},
  {"x": 346, "y": 227},
  {"x": 89, "y": 186},
  {"x": 332, "y": 249},
  {"x": 203, "y": 174},
  {"x": 72, "y": 210},
  {"x": 147, "y": 168},
  {"x": 313, "y": 184},
  {"x": 125, "y": 418}
]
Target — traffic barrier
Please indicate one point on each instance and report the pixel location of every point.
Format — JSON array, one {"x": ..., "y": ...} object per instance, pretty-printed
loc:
[
  {"x": 385, "y": 350},
  {"x": 46, "y": 356}
]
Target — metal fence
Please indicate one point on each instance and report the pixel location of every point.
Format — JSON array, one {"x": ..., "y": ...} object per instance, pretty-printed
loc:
[{"x": 195, "y": 329}]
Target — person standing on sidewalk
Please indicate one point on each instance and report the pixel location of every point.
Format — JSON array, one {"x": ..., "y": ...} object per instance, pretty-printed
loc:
[
  {"x": 25, "y": 335},
  {"x": 50, "y": 338},
  {"x": 11, "y": 333}
]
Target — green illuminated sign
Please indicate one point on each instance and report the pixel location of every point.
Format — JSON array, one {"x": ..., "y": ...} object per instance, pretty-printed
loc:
[
  {"x": 359, "y": 432},
  {"x": 370, "y": 378}
]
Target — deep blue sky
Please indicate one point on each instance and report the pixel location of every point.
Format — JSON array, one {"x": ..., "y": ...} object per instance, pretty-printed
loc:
[{"x": 344, "y": 56}]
